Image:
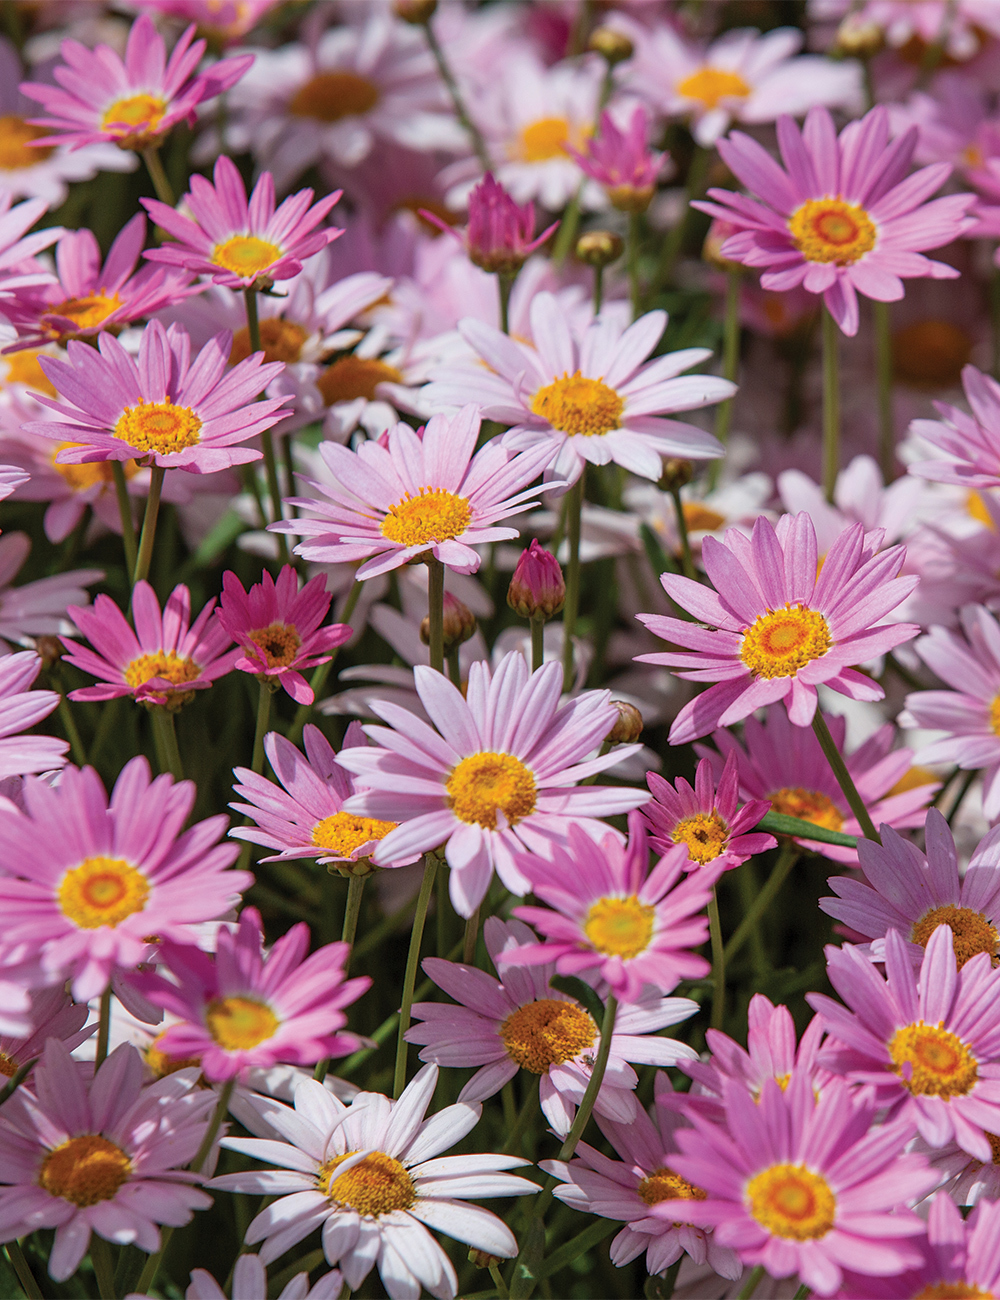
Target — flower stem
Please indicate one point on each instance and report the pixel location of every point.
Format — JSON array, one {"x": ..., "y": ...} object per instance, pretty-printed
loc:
[
  {"x": 632, "y": 241},
  {"x": 266, "y": 440},
  {"x": 498, "y": 1282},
  {"x": 318, "y": 680},
  {"x": 524, "y": 1118},
  {"x": 673, "y": 242},
  {"x": 458, "y": 103},
  {"x": 410, "y": 978},
  {"x": 352, "y": 910},
  {"x": 435, "y": 611},
  {"x": 787, "y": 859},
  {"x": 596, "y": 1079},
  {"x": 537, "y": 642},
  {"x": 730, "y": 364},
  {"x": 103, "y": 1029},
  {"x": 831, "y": 405},
  {"x": 839, "y": 767},
  {"x": 16, "y": 1079},
  {"x": 104, "y": 1273},
  {"x": 752, "y": 1282},
  {"x": 803, "y": 1292},
  {"x": 687, "y": 560},
  {"x": 883, "y": 367},
  {"x": 257, "y": 763},
  {"x": 574, "y": 515},
  {"x": 23, "y": 1270},
  {"x": 565, "y": 237},
  {"x": 454, "y": 668},
  {"x": 164, "y": 190},
  {"x": 125, "y": 511},
  {"x": 960, "y": 797},
  {"x": 469, "y": 940},
  {"x": 598, "y": 289},
  {"x": 165, "y": 739},
  {"x": 149, "y": 524},
  {"x": 718, "y": 963},
  {"x": 72, "y": 731},
  {"x": 505, "y": 281}
]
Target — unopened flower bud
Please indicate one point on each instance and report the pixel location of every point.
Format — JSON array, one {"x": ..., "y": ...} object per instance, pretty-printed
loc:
[
  {"x": 459, "y": 624},
  {"x": 676, "y": 473},
  {"x": 352, "y": 867},
  {"x": 482, "y": 1260},
  {"x": 500, "y": 235},
  {"x": 613, "y": 46},
  {"x": 859, "y": 37},
  {"x": 718, "y": 232},
  {"x": 628, "y": 728},
  {"x": 537, "y": 589},
  {"x": 417, "y": 12},
  {"x": 48, "y": 649},
  {"x": 599, "y": 247}
]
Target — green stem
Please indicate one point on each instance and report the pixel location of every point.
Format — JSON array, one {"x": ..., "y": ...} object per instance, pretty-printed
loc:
[
  {"x": 537, "y": 641},
  {"x": 803, "y": 1292},
  {"x": 632, "y": 240},
  {"x": 718, "y": 963},
  {"x": 355, "y": 889},
  {"x": 125, "y": 513},
  {"x": 831, "y": 404},
  {"x": 458, "y": 103},
  {"x": 883, "y": 367},
  {"x": 670, "y": 1278},
  {"x": 565, "y": 237},
  {"x": 165, "y": 738},
  {"x": 103, "y": 1029},
  {"x": 435, "y": 610},
  {"x": 23, "y": 1270},
  {"x": 164, "y": 190},
  {"x": 524, "y": 1118},
  {"x": 574, "y": 515},
  {"x": 410, "y": 978},
  {"x": 505, "y": 281},
  {"x": 596, "y": 1079},
  {"x": 72, "y": 731},
  {"x": 454, "y": 668},
  {"x": 598, "y": 289},
  {"x": 104, "y": 1273},
  {"x": 15, "y": 1081},
  {"x": 730, "y": 364},
  {"x": 318, "y": 680},
  {"x": 591, "y": 1236},
  {"x": 787, "y": 859},
  {"x": 149, "y": 523},
  {"x": 470, "y": 937},
  {"x": 670, "y": 250},
  {"x": 752, "y": 1282},
  {"x": 499, "y": 1283},
  {"x": 263, "y": 717},
  {"x": 963, "y": 790},
  {"x": 687, "y": 560},
  {"x": 266, "y": 440},
  {"x": 839, "y": 767}
]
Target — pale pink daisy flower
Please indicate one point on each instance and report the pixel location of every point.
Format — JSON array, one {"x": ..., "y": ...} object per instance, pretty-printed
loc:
[
  {"x": 239, "y": 243},
  {"x": 968, "y": 445},
  {"x": 36, "y": 608},
  {"x": 371, "y": 1177},
  {"x": 495, "y": 778},
  {"x": 105, "y": 1156},
  {"x": 960, "y": 23},
  {"x": 429, "y": 493},
  {"x": 181, "y": 412},
  {"x": 844, "y": 218},
  {"x": 12, "y": 477},
  {"x": 775, "y": 630},
  {"x": 53, "y": 1014},
  {"x": 21, "y": 708},
  {"x": 18, "y": 269},
  {"x": 608, "y": 914},
  {"x": 133, "y": 102},
  {"x": 926, "y": 1041},
  {"x": 221, "y": 21},
  {"x": 163, "y": 661},
  {"x": 304, "y": 816},
  {"x": 521, "y": 1022},
  {"x": 585, "y": 399},
  {"x": 250, "y": 1283},
  {"x": 90, "y": 881},
  {"x": 626, "y": 1190}
]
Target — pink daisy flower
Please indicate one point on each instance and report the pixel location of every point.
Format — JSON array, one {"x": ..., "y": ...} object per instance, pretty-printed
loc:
[
  {"x": 53, "y": 1014},
  {"x": 236, "y": 242},
  {"x": 803, "y": 1184},
  {"x": 163, "y": 662},
  {"x": 304, "y": 817},
  {"x": 36, "y": 608},
  {"x": 608, "y": 913},
  {"x": 621, "y": 161},
  {"x": 18, "y": 269},
  {"x": 104, "y": 1156},
  {"x": 969, "y": 444},
  {"x": 496, "y": 776},
  {"x": 91, "y": 883},
  {"x": 774, "y": 630},
  {"x": 500, "y": 235},
  {"x": 134, "y": 102},
  {"x": 927, "y": 1041},
  {"x": 242, "y": 1008},
  {"x": 182, "y": 413},
  {"x": 21, "y": 708},
  {"x": 716, "y": 830},
  {"x": 12, "y": 477},
  {"x": 843, "y": 218},
  {"x": 521, "y": 1022},
  {"x": 250, "y": 1283}
]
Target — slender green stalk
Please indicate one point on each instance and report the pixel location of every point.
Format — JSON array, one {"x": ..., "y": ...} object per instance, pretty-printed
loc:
[
  {"x": 104, "y": 1272},
  {"x": 633, "y": 238},
  {"x": 802, "y": 1292},
  {"x": 594, "y": 1085},
  {"x": 410, "y": 978},
  {"x": 164, "y": 190},
  {"x": 458, "y": 103},
  {"x": 454, "y": 668},
  {"x": 72, "y": 731},
  {"x": 470, "y": 937},
  {"x": 529, "y": 1109},
  {"x": 787, "y": 859},
  {"x": 318, "y": 681},
  {"x": 435, "y": 610},
  {"x": 963, "y": 790},
  {"x": 565, "y": 236},
  {"x": 257, "y": 763},
  {"x": 574, "y": 515},
  {"x": 16, "y": 1079},
  {"x": 125, "y": 513},
  {"x": 730, "y": 363},
  {"x": 352, "y": 910},
  {"x": 598, "y": 289},
  {"x": 831, "y": 404},
  {"x": 103, "y": 1029},
  {"x": 498, "y": 1282},
  {"x": 537, "y": 642},
  {"x": 23, "y": 1270},
  {"x": 752, "y": 1282},
  {"x": 591, "y": 1236},
  {"x": 883, "y": 368},
  {"x": 718, "y": 963},
  {"x": 165, "y": 738},
  {"x": 505, "y": 281},
  {"x": 839, "y": 767},
  {"x": 266, "y": 440},
  {"x": 670, "y": 250},
  {"x": 149, "y": 524},
  {"x": 687, "y": 560}
]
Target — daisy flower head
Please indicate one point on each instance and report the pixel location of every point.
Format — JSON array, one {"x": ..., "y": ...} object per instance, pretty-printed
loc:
[
  {"x": 37, "y": 608},
  {"x": 250, "y": 1283},
  {"x": 305, "y": 817},
  {"x": 91, "y": 882},
  {"x": 927, "y": 1041},
  {"x": 371, "y": 1177},
  {"x": 775, "y": 630},
  {"x": 843, "y": 217},
  {"x": 521, "y": 1022},
  {"x": 496, "y": 777},
  {"x": 133, "y": 102},
  {"x": 21, "y": 708},
  {"x": 621, "y": 161},
  {"x": 18, "y": 269},
  {"x": 607, "y": 913},
  {"x": 163, "y": 661},
  {"x": 500, "y": 236},
  {"x": 179, "y": 412},
  {"x": 428, "y": 493},
  {"x": 53, "y": 1014},
  {"x": 967, "y": 444},
  {"x": 593, "y": 398},
  {"x": 239, "y": 243}
]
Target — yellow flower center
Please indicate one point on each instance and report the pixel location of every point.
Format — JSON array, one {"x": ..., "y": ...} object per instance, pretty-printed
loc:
[
  {"x": 330, "y": 96},
  {"x": 433, "y": 515},
  {"x": 343, "y": 832},
  {"x": 912, "y": 779},
  {"x": 543, "y": 140},
  {"x": 16, "y": 150},
  {"x": 85, "y": 1170},
  {"x": 161, "y": 1064},
  {"x": 280, "y": 340},
  {"x": 159, "y": 427},
  {"x": 351, "y": 377},
  {"x": 711, "y": 85},
  {"x": 808, "y": 806},
  {"x": 8, "y": 1066},
  {"x": 547, "y": 1032},
  {"x": 620, "y": 927},
  {"x": 245, "y": 255},
  {"x": 952, "y": 1291},
  {"x": 483, "y": 783},
  {"x": 971, "y": 931},
  {"x": 86, "y": 312},
  {"x": 279, "y": 643},
  {"x": 375, "y": 1185},
  {"x": 700, "y": 519},
  {"x": 830, "y": 230},
  {"x": 133, "y": 121},
  {"x": 664, "y": 1185},
  {"x": 931, "y": 353},
  {"x": 780, "y": 642},
  {"x": 82, "y": 477},
  {"x": 577, "y": 405},
  {"x": 705, "y": 835},
  {"x": 163, "y": 663},
  {"x": 995, "y": 715},
  {"x": 239, "y": 1023},
  {"x": 942, "y": 1064},
  {"x": 102, "y": 891},
  {"x": 23, "y": 368},
  {"x": 791, "y": 1201}
]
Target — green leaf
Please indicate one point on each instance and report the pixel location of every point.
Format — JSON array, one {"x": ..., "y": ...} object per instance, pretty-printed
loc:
[{"x": 779, "y": 824}]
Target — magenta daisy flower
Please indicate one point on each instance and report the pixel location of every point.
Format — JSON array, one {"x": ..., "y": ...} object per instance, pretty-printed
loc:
[
  {"x": 927, "y": 1041},
  {"x": 91, "y": 883},
  {"x": 53, "y": 1014},
  {"x": 36, "y": 608},
  {"x": 242, "y": 1008},
  {"x": 843, "y": 218},
  {"x": 133, "y": 103},
  {"x": 716, "y": 829},
  {"x": 164, "y": 661},
  {"x": 621, "y": 161},
  {"x": 18, "y": 269},
  {"x": 417, "y": 494},
  {"x": 968, "y": 445},
  {"x": 21, "y": 708},
  {"x": 236, "y": 242},
  {"x": 104, "y": 1156},
  {"x": 608, "y": 913},
  {"x": 774, "y": 630},
  {"x": 803, "y": 1184},
  {"x": 496, "y": 776},
  {"x": 181, "y": 413},
  {"x": 304, "y": 817},
  {"x": 521, "y": 1022}
]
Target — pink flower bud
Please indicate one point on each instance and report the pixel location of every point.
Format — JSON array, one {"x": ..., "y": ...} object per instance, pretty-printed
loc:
[
  {"x": 623, "y": 162},
  {"x": 459, "y": 624},
  {"x": 499, "y": 234},
  {"x": 537, "y": 589}
]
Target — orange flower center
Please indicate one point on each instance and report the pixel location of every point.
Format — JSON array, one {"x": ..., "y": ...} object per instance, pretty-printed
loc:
[
  {"x": 705, "y": 835},
  {"x": 16, "y": 150},
  {"x": 351, "y": 377},
  {"x": 780, "y": 642},
  {"x": 971, "y": 932},
  {"x": 830, "y": 230},
  {"x": 86, "y": 312},
  {"x": 82, "y": 477},
  {"x": 245, "y": 255},
  {"x": 238, "y": 1024},
  {"x": 280, "y": 340},
  {"x": 102, "y": 891},
  {"x": 23, "y": 368},
  {"x": 700, "y": 519},
  {"x": 159, "y": 427},
  {"x": 483, "y": 784},
  {"x": 376, "y": 1185},
  {"x": 343, "y": 832},
  {"x": 620, "y": 927},
  {"x": 161, "y": 1064},
  {"x": 133, "y": 121},
  {"x": 664, "y": 1185},
  {"x": 575, "y": 404},
  {"x": 85, "y": 1170},
  {"x": 169, "y": 665},
  {"x": 330, "y": 96},
  {"x": 808, "y": 806},
  {"x": 434, "y": 515},
  {"x": 941, "y": 1064},
  {"x": 278, "y": 643},
  {"x": 546, "y": 138},
  {"x": 547, "y": 1032},
  {"x": 792, "y": 1201},
  {"x": 712, "y": 85}
]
